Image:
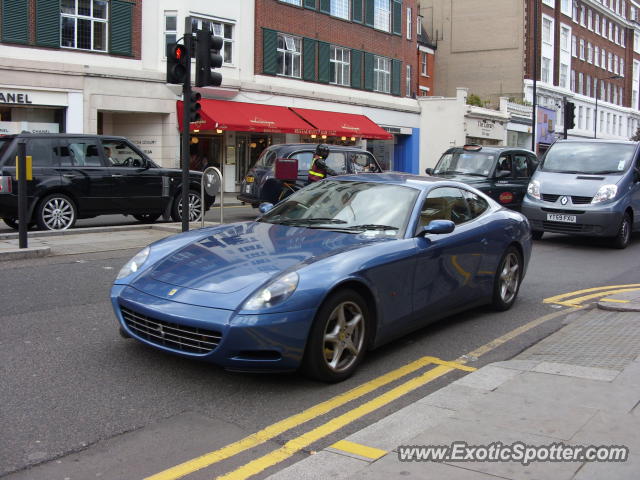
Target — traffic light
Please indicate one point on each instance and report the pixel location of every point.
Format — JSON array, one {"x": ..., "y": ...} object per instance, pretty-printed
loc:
[
  {"x": 208, "y": 57},
  {"x": 194, "y": 107},
  {"x": 177, "y": 62},
  {"x": 569, "y": 116}
]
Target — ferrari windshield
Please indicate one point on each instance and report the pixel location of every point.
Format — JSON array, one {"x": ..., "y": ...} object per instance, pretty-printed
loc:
[
  {"x": 468, "y": 163},
  {"x": 588, "y": 157},
  {"x": 347, "y": 206}
]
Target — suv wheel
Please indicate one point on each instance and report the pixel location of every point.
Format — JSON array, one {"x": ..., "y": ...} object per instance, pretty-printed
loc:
[
  {"x": 56, "y": 212},
  {"x": 195, "y": 207},
  {"x": 13, "y": 223},
  {"x": 147, "y": 217}
]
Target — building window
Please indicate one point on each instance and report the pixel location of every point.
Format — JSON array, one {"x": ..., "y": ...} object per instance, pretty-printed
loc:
[
  {"x": 611, "y": 31},
  {"x": 596, "y": 56},
  {"x": 588, "y": 91},
  {"x": 589, "y": 52},
  {"x": 590, "y": 20},
  {"x": 564, "y": 72},
  {"x": 289, "y": 56},
  {"x": 580, "y": 83},
  {"x": 407, "y": 86},
  {"x": 564, "y": 38},
  {"x": 340, "y": 66},
  {"x": 603, "y": 59},
  {"x": 580, "y": 118},
  {"x": 581, "y": 49},
  {"x": 170, "y": 29},
  {"x": 84, "y": 24},
  {"x": 382, "y": 15},
  {"x": 423, "y": 64},
  {"x": 616, "y": 34},
  {"x": 340, "y": 9},
  {"x": 546, "y": 30},
  {"x": 636, "y": 42},
  {"x": 597, "y": 24},
  {"x": 633, "y": 13},
  {"x": 573, "y": 80},
  {"x": 582, "y": 15},
  {"x": 219, "y": 29},
  {"x": 565, "y": 7},
  {"x": 293, "y": 2},
  {"x": 604, "y": 27},
  {"x": 409, "y": 23},
  {"x": 615, "y": 64},
  {"x": 382, "y": 74},
  {"x": 610, "y": 62},
  {"x": 622, "y": 38},
  {"x": 621, "y": 67},
  {"x": 545, "y": 73},
  {"x": 574, "y": 46},
  {"x": 418, "y": 25}
]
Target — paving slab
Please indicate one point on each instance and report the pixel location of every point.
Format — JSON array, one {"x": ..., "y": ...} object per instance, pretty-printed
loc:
[
  {"x": 321, "y": 466},
  {"x": 590, "y": 373},
  {"x": 489, "y": 377}
]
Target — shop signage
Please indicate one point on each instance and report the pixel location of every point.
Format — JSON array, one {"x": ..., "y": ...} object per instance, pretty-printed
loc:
[
  {"x": 12, "y": 97},
  {"x": 486, "y": 128},
  {"x": 9, "y": 128},
  {"x": 33, "y": 97}
]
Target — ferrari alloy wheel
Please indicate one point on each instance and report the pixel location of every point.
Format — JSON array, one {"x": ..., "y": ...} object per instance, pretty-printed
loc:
[
  {"x": 338, "y": 338},
  {"x": 507, "y": 280},
  {"x": 195, "y": 207},
  {"x": 56, "y": 212}
]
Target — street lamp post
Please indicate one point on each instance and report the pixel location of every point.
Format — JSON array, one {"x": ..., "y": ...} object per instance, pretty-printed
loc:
[{"x": 595, "y": 115}]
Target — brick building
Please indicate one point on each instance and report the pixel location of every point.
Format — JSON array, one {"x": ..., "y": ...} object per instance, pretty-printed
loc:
[{"x": 426, "y": 61}]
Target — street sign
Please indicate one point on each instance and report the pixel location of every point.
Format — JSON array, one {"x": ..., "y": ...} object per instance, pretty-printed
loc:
[{"x": 212, "y": 184}]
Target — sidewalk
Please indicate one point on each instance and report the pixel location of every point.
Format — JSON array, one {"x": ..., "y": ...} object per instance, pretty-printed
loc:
[{"x": 579, "y": 386}]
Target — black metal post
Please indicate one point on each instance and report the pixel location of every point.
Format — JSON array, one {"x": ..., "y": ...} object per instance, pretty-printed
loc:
[
  {"x": 564, "y": 117},
  {"x": 22, "y": 195},
  {"x": 595, "y": 116},
  {"x": 186, "y": 130},
  {"x": 535, "y": 75}
]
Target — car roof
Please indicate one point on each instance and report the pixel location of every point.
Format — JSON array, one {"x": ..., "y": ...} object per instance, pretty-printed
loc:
[
  {"x": 396, "y": 178},
  {"x": 483, "y": 149},
  {"x": 596, "y": 140}
]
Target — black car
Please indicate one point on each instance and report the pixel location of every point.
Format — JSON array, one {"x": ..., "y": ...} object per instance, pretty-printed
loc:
[
  {"x": 83, "y": 176},
  {"x": 503, "y": 173},
  {"x": 261, "y": 185}
]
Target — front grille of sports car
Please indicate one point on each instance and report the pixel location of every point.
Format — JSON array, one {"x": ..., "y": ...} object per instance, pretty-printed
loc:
[
  {"x": 171, "y": 335},
  {"x": 576, "y": 200}
]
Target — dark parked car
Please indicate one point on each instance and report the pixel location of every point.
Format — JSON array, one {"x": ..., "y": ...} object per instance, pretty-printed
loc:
[
  {"x": 261, "y": 185},
  {"x": 83, "y": 176},
  {"x": 503, "y": 173}
]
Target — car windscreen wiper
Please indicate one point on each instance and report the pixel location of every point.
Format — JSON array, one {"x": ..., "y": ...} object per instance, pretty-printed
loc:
[
  {"x": 604, "y": 172},
  {"x": 370, "y": 226},
  {"x": 310, "y": 221}
]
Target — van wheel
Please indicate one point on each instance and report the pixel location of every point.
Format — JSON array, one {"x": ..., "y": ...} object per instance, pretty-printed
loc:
[
  {"x": 56, "y": 212},
  {"x": 623, "y": 238}
]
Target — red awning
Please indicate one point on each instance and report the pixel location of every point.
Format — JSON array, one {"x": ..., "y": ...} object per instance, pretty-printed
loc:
[
  {"x": 246, "y": 117},
  {"x": 342, "y": 124}
]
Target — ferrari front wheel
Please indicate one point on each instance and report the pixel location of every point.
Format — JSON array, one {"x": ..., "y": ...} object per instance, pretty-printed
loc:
[{"x": 338, "y": 338}]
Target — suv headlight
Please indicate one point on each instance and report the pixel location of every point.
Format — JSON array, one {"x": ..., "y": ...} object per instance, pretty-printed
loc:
[
  {"x": 604, "y": 193},
  {"x": 276, "y": 292},
  {"x": 133, "y": 265},
  {"x": 533, "y": 190}
]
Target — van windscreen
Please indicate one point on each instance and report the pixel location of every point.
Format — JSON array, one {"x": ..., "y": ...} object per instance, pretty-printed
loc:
[{"x": 588, "y": 157}]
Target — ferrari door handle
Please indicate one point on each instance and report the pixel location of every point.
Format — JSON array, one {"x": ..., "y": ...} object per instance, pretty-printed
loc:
[{"x": 116, "y": 175}]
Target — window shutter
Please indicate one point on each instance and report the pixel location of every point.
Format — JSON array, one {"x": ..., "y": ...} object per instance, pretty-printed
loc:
[
  {"x": 309, "y": 58},
  {"x": 324, "y": 62},
  {"x": 396, "y": 70},
  {"x": 368, "y": 71},
  {"x": 269, "y": 51},
  {"x": 15, "y": 21},
  {"x": 368, "y": 12},
  {"x": 48, "y": 23},
  {"x": 397, "y": 17},
  {"x": 310, "y": 4},
  {"x": 121, "y": 27},
  {"x": 325, "y": 6},
  {"x": 356, "y": 68},
  {"x": 356, "y": 10}
]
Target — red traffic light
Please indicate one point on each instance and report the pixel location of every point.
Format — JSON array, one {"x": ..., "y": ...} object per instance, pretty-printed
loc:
[{"x": 179, "y": 51}]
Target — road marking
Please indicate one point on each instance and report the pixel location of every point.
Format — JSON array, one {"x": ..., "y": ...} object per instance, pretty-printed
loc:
[
  {"x": 361, "y": 450},
  {"x": 277, "y": 428},
  {"x": 295, "y": 445},
  {"x": 614, "y": 300},
  {"x": 560, "y": 299},
  {"x": 579, "y": 300}
]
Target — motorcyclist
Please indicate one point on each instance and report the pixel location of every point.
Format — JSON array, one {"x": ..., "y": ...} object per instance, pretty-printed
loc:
[{"x": 319, "y": 169}]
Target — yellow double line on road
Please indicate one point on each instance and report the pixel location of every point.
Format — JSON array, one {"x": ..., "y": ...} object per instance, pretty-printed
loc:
[{"x": 576, "y": 299}]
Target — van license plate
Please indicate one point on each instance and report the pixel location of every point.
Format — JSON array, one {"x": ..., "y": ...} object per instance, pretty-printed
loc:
[{"x": 559, "y": 217}]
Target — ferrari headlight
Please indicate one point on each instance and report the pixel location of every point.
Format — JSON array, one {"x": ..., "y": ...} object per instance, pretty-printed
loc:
[
  {"x": 604, "y": 193},
  {"x": 133, "y": 265},
  {"x": 274, "y": 293},
  {"x": 534, "y": 189}
]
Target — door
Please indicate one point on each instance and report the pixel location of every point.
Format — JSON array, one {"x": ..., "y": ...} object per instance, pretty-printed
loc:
[
  {"x": 506, "y": 186},
  {"x": 137, "y": 186}
]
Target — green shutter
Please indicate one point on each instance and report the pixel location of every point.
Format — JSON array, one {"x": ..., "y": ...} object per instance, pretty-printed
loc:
[
  {"x": 396, "y": 70},
  {"x": 15, "y": 21},
  {"x": 368, "y": 12},
  {"x": 368, "y": 71},
  {"x": 356, "y": 69},
  {"x": 48, "y": 23},
  {"x": 324, "y": 62},
  {"x": 325, "y": 6},
  {"x": 309, "y": 58},
  {"x": 397, "y": 17},
  {"x": 356, "y": 10},
  {"x": 269, "y": 51},
  {"x": 310, "y": 4},
  {"x": 121, "y": 28}
]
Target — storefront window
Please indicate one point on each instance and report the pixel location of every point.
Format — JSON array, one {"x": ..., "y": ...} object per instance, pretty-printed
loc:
[{"x": 84, "y": 24}]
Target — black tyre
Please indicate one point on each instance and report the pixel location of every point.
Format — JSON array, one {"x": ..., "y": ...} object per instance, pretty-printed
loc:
[
  {"x": 507, "y": 280},
  {"x": 623, "y": 238},
  {"x": 13, "y": 223},
  {"x": 195, "y": 207},
  {"x": 147, "y": 217},
  {"x": 537, "y": 234},
  {"x": 56, "y": 212},
  {"x": 338, "y": 337}
]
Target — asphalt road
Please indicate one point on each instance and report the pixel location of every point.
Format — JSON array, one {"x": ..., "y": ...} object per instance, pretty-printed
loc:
[{"x": 80, "y": 402}]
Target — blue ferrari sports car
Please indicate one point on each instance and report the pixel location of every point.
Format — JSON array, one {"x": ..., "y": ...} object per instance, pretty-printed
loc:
[{"x": 338, "y": 268}]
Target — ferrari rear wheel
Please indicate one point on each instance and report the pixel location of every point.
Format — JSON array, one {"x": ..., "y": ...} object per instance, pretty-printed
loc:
[
  {"x": 507, "y": 280},
  {"x": 338, "y": 338}
]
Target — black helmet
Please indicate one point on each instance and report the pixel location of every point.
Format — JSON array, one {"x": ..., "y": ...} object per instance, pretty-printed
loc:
[{"x": 322, "y": 150}]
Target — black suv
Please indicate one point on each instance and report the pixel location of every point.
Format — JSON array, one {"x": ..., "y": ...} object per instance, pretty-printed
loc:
[
  {"x": 503, "y": 173},
  {"x": 261, "y": 185},
  {"x": 83, "y": 176}
]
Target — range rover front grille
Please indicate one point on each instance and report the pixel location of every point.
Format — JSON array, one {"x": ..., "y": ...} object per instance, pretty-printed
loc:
[{"x": 172, "y": 335}]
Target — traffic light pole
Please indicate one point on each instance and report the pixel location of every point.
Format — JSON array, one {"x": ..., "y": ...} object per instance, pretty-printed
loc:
[{"x": 186, "y": 128}]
